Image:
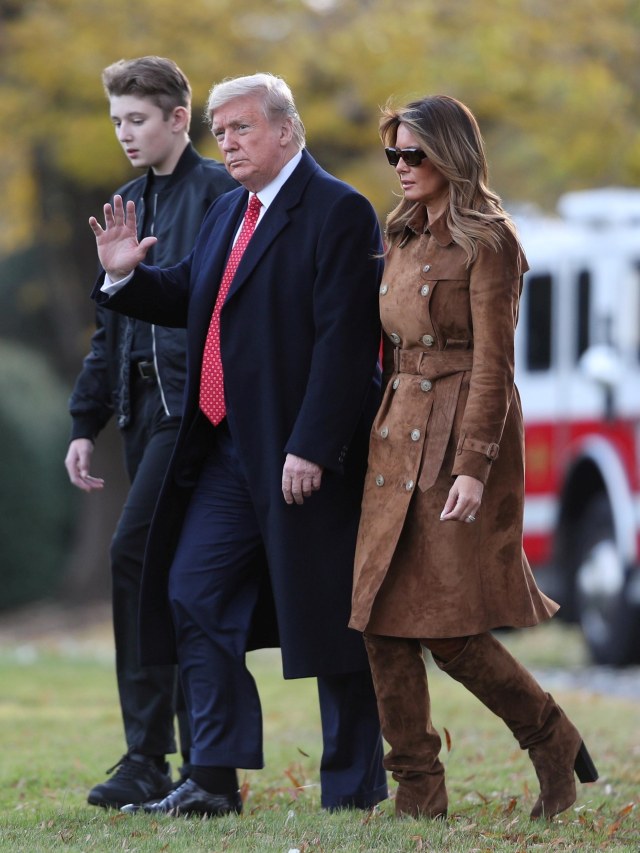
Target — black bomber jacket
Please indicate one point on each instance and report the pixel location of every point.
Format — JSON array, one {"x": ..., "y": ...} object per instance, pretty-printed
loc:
[{"x": 102, "y": 387}]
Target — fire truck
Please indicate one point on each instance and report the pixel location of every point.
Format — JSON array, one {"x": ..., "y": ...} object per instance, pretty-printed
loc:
[{"x": 578, "y": 371}]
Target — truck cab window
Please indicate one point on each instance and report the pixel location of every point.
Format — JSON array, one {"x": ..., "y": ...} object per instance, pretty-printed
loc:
[
  {"x": 583, "y": 312},
  {"x": 538, "y": 322},
  {"x": 637, "y": 282}
]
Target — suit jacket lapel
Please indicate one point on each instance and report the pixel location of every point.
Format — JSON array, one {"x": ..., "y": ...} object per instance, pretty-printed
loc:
[{"x": 216, "y": 251}]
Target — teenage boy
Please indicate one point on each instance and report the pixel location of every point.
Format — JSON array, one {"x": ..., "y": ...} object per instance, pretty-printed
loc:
[{"x": 136, "y": 372}]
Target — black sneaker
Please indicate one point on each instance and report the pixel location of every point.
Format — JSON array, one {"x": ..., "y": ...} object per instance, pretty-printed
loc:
[{"x": 138, "y": 780}]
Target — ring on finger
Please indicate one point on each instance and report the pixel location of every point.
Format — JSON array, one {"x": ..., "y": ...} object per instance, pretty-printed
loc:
[{"x": 470, "y": 519}]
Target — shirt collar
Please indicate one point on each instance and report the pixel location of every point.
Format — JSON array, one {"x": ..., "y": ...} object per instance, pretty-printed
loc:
[{"x": 267, "y": 194}]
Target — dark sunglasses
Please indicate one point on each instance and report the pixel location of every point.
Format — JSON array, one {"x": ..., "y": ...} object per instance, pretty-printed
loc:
[{"x": 411, "y": 156}]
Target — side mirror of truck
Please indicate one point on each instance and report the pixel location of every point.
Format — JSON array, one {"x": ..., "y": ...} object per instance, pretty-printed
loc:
[{"x": 602, "y": 364}]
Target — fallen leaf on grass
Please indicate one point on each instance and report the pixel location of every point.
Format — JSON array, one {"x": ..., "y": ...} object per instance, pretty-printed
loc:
[
  {"x": 466, "y": 827},
  {"x": 244, "y": 791},
  {"x": 294, "y": 780},
  {"x": 447, "y": 739},
  {"x": 615, "y": 826},
  {"x": 369, "y": 815},
  {"x": 510, "y": 805}
]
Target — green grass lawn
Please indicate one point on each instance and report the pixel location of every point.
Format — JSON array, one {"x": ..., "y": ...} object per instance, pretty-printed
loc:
[{"x": 60, "y": 729}]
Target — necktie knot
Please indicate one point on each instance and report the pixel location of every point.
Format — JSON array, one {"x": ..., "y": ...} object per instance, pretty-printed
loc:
[{"x": 254, "y": 206}]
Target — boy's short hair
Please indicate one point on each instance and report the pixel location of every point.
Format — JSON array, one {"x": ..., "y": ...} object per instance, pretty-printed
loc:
[{"x": 153, "y": 77}]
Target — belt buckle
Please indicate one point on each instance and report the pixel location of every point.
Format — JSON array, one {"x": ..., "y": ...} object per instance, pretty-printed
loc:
[{"x": 146, "y": 370}]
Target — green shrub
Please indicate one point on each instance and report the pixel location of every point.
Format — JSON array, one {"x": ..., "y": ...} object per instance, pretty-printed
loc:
[{"x": 35, "y": 499}]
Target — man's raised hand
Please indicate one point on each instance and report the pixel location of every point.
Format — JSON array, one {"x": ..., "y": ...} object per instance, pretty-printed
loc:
[{"x": 118, "y": 248}]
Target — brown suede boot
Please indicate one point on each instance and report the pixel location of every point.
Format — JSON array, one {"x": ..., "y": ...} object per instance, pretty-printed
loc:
[
  {"x": 402, "y": 691},
  {"x": 539, "y": 725}
]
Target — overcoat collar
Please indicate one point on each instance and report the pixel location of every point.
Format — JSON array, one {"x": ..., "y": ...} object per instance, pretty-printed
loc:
[{"x": 438, "y": 229}]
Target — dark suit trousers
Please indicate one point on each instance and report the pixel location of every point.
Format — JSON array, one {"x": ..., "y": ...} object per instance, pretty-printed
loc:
[
  {"x": 148, "y": 695},
  {"x": 213, "y": 588}
]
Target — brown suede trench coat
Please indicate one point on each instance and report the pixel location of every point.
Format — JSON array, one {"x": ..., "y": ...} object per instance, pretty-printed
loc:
[{"x": 450, "y": 407}]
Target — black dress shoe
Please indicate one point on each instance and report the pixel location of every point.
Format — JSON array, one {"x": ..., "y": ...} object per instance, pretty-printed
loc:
[{"x": 190, "y": 799}]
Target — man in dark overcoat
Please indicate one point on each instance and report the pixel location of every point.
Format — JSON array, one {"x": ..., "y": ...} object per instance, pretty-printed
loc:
[{"x": 253, "y": 538}]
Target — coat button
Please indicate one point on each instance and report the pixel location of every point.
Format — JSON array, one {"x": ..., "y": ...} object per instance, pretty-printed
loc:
[
  {"x": 395, "y": 338},
  {"x": 409, "y": 485},
  {"x": 425, "y": 385},
  {"x": 383, "y": 289},
  {"x": 426, "y": 268},
  {"x": 424, "y": 290},
  {"x": 395, "y": 383},
  {"x": 384, "y": 432},
  {"x": 415, "y": 434},
  {"x": 379, "y": 480},
  {"x": 427, "y": 340}
]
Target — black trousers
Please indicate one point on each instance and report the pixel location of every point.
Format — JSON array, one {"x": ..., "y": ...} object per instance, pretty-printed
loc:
[
  {"x": 214, "y": 590},
  {"x": 150, "y": 697}
]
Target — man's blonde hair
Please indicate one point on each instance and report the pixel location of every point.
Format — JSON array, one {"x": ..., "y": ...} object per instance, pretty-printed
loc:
[{"x": 275, "y": 93}]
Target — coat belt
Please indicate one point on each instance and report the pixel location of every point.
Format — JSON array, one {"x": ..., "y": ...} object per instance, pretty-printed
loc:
[
  {"x": 448, "y": 368},
  {"x": 432, "y": 364}
]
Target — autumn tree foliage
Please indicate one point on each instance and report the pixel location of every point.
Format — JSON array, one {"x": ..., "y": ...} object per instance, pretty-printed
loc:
[{"x": 555, "y": 87}]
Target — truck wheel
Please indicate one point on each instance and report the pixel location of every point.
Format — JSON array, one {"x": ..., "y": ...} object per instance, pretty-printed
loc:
[{"x": 609, "y": 621}]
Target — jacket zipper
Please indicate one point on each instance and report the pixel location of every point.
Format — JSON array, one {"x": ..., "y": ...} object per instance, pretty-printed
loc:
[{"x": 153, "y": 328}]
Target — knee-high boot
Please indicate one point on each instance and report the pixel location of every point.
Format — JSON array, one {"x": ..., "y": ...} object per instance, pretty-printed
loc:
[
  {"x": 402, "y": 692},
  {"x": 539, "y": 725}
]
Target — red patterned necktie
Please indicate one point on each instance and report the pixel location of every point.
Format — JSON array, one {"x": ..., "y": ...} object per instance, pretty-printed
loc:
[{"x": 212, "y": 377}]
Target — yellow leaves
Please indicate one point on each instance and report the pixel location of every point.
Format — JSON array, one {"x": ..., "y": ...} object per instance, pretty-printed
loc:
[
  {"x": 553, "y": 84},
  {"x": 87, "y": 141}
]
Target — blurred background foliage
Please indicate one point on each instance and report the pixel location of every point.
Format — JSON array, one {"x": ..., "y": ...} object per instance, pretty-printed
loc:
[{"x": 555, "y": 87}]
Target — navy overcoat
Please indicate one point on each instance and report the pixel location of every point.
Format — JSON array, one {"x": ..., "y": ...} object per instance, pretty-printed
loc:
[{"x": 299, "y": 338}]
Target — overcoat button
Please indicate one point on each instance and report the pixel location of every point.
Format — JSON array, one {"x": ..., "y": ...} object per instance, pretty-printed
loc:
[
  {"x": 379, "y": 480},
  {"x": 395, "y": 383},
  {"x": 409, "y": 485},
  {"x": 383, "y": 289},
  {"x": 395, "y": 338},
  {"x": 384, "y": 432},
  {"x": 427, "y": 340},
  {"x": 425, "y": 385},
  {"x": 424, "y": 290},
  {"x": 426, "y": 268},
  {"x": 415, "y": 434}
]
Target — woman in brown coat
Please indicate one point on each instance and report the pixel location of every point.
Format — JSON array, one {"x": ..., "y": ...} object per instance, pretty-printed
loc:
[{"x": 439, "y": 562}]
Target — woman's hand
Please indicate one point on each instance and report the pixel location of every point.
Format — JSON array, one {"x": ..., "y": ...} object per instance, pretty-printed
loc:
[{"x": 464, "y": 500}]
